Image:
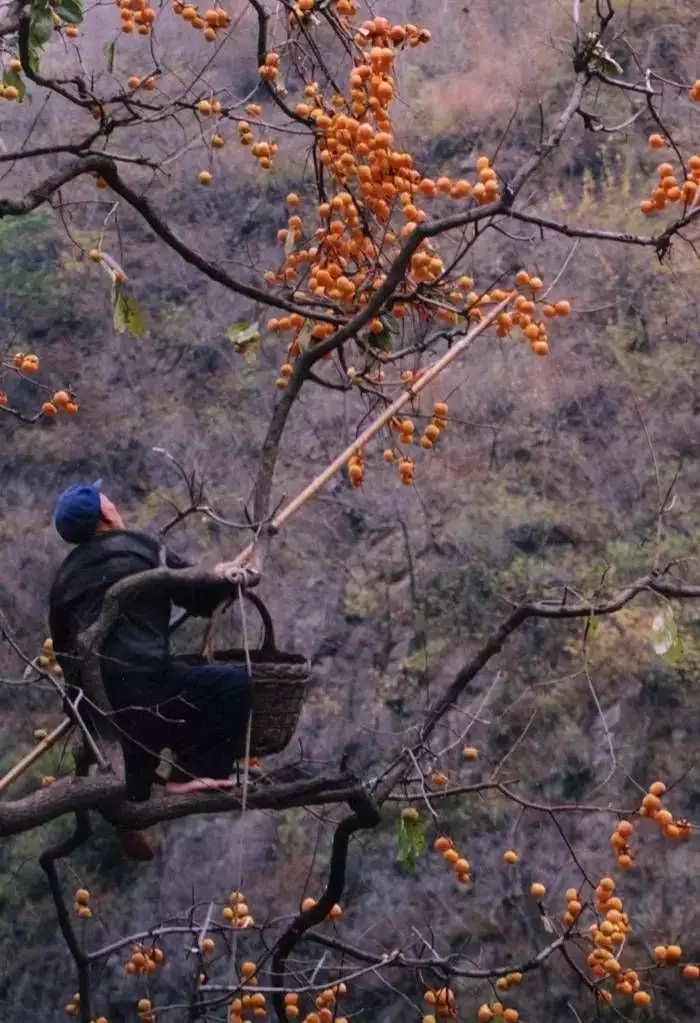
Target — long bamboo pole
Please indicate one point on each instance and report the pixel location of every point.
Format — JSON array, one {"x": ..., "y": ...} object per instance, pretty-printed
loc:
[
  {"x": 38, "y": 751},
  {"x": 406, "y": 396}
]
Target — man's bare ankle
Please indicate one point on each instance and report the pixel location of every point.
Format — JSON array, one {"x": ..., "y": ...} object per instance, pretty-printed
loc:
[{"x": 177, "y": 788}]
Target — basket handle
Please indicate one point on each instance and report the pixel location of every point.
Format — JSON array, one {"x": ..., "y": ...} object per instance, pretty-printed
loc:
[{"x": 268, "y": 644}]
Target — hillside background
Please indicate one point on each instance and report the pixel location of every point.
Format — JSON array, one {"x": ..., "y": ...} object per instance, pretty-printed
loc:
[{"x": 547, "y": 476}]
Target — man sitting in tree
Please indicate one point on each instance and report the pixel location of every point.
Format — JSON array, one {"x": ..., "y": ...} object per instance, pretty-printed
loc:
[{"x": 199, "y": 711}]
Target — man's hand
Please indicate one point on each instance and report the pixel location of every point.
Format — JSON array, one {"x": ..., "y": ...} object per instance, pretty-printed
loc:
[{"x": 242, "y": 576}]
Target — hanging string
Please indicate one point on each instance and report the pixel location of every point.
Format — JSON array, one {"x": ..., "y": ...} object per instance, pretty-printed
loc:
[{"x": 246, "y": 774}]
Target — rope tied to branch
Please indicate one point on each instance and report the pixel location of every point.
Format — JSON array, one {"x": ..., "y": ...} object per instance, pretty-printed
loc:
[{"x": 246, "y": 767}]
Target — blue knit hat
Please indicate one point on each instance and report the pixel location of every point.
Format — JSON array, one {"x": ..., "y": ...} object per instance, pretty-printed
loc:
[{"x": 77, "y": 513}]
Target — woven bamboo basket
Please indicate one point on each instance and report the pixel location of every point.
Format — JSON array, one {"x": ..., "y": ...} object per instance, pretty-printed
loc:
[{"x": 280, "y": 679}]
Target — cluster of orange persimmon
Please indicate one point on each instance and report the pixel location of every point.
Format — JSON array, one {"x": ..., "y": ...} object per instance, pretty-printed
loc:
[
  {"x": 608, "y": 936},
  {"x": 269, "y": 70},
  {"x": 405, "y": 433},
  {"x": 253, "y": 1005},
  {"x": 496, "y": 1011},
  {"x": 237, "y": 913},
  {"x": 327, "y": 1003},
  {"x": 11, "y": 92},
  {"x": 444, "y": 1004},
  {"x": 81, "y": 904},
  {"x": 672, "y": 189},
  {"x": 375, "y": 200},
  {"x": 249, "y": 1005},
  {"x": 303, "y": 8},
  {"x": 651, "y": 807},
  {"x": 695, "y": 91},
  {"x": 135, "y": 82},
  {"x": 73, "y": 1008},
  {"x": 334, "y": 913},
  {"x": 461, "y": 866},
  {"x": 574, "y": 907},
  {"x": 136, "y": 15},
  {"x": 217, "y": 141},
  {"x": 509, "y": 980},
  {"x": 263, "y": 151},
  {"x": 210, "y": 23},
  {"x": 356, "y": 469},
  {"x": 61, "y": 400},
  {"x": 670, "y": 955},
  {"x": 27, "y": 363},
  {"x": 143, "y": 960}
]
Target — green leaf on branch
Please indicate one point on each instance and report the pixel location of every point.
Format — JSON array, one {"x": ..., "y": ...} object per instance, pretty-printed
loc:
[
  {"x": 304, "y": 336},
  {"x": 675, "y": 653},
  {"x": 71, "y": 11},
  {"x": 12, "y": 78},
  {"x": 665, "y": 639},
  {"x": 33, "y": 52},
  {"x": 382, "y": 340},
  {"x": 128, "y": 318},
  {"x": 411, "y": 839},
  {"x": 109, "y": 50},
  {"x": 244, "y": 335},
  {"x": 40, "y": 26},
  {"x": 391, "y": 323},
  {"x": 278, "y": 84},
  {"x": 289, "y": 243}
]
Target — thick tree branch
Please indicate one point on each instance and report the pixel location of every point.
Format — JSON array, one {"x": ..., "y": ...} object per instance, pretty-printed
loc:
[
  {"x": 545, "y": 609},
  {"x": 46, "y": 189},
  {"x": 105, "y": 793},
  {"x": 365, "y": 815},
  {"x": 104, "y": 166},
  {"x": 447, "y": 965},
  {"x": 652, "y": 583},
  {"x": 192, "y": 257},
  {"x": 263, "y": 483},
  {"x": 263, "y": 17},
  {"x": 307, "y": 792},
  {"x": 74, "y": 149},
  {"x": 47, "y": 861},
  {"x": 658, "y": 242},
  {"x": 67, "y": 795}
]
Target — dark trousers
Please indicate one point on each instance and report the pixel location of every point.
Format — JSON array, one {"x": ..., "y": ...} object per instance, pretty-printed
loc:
[{"x": 204, "y": 726}]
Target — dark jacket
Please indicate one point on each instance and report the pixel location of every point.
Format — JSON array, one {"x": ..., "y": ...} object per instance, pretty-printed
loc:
[{"x": 135, "y": 654}]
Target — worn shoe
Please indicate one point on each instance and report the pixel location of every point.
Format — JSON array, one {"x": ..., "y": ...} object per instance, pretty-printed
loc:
[{"x": 135, "y": 845}]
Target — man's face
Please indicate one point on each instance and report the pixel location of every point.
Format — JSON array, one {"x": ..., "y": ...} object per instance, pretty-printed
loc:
[{"x": 109, "y": 513}]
